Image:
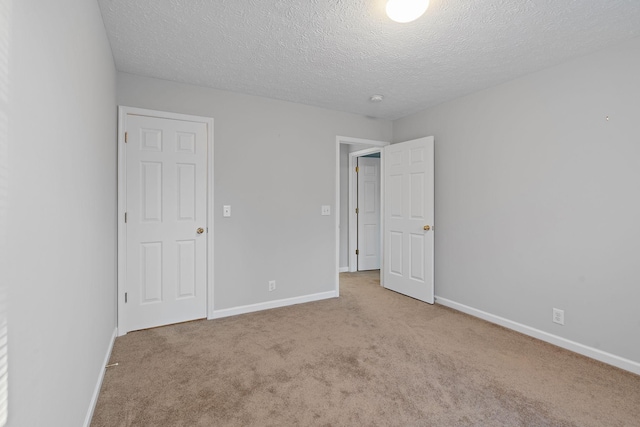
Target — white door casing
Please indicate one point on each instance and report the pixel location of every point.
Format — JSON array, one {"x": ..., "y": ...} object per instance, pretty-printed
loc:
[
  {"x": 165, "y": 271},
  {"x": 368, "y": 213},
  {"x": 352, "y": 239},
  {"x": 352, "y": 223},
  {"x": 408, "y": 218}
]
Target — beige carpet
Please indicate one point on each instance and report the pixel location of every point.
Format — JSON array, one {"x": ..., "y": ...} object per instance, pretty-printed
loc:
[{"x": 369, "y": 358}]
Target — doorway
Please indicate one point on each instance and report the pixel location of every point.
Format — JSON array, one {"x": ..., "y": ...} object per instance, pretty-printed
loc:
[
  {"x": 344, "y": 190},
  {"x": 365, "y": 209},
  {"x": 407, "y": 203}
]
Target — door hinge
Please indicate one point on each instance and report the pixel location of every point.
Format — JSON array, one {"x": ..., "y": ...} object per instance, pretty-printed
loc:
[
  {"x": 126, "y": 137},
  {"x": 357, "y": 211},
  {"x": 125, "y": 217},
  {"x": 357, "y": 252},
  {"x": 357, "y": 169},
  {"x": 125, "y": 297}
]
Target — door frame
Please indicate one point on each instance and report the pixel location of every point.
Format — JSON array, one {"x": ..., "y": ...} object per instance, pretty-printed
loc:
[
  {"x": 123, "y": 111},
  {"x": 350, "y": 141},
  {"x": 353, "y": 197}
]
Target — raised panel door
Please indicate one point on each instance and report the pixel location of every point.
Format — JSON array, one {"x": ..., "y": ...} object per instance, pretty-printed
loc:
[
  {"x": 166, "y": 203},
  {"x": 409, "y": 207}
]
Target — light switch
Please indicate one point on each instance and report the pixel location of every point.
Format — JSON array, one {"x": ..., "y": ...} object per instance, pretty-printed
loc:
[
  {"x": 226, "y": 210},
  {"x": 326, "y": 210}
]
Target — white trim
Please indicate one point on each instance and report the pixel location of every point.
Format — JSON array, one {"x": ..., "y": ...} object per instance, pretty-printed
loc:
[
  {"x": 366, "y": 151},
  {"x": 351, "y": 141},
  {"x": 352, "y": 225},
  {"x": 217, "y": 314},
  {"x": 96, "y": 391},
  {"x": 353, "y": 196},
  {"x": 210, "y": 219},
  {"x": 343, "y": 270},
  {"x": 122, "y": 197},
  {"x": 593, "y": 353},
  {"x": 347, "y": 140},
  {"x": 382, "y": 192}
]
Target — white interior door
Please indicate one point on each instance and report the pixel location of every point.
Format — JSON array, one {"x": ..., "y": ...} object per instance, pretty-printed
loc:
[
  {"x": 368, "y": 213},
  {"x": 166, "y": 221},
  {"x": 408, "y": 218}
]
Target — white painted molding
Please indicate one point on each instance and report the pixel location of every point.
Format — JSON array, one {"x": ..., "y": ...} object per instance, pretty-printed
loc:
[
  {"x": 96, "y": 391},
  {"x": 122, "y": 235},
  {"x": 352, "y": 219},
  {"x": 210, "y": 216},
  {"x": 351, "y": 140},
  {"x": 217, "y": 314},
  {"x": 593, "y": 353},
  {"x": 367, "y": 151},
  {"x": 344, "y": 269}
]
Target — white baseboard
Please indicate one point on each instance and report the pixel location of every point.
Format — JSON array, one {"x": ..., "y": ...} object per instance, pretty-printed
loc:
[
  {"x": 344, "y": 269},
  {"x": 96, "y": 392},
  {"x": 217, "y": 314},
  {"x": 594, "y": 353}
]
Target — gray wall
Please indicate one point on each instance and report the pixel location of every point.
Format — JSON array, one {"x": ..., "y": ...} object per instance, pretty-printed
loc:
[
  {"x": 62, "y": 209},
  {"x": 537, "y": 200},
  {"x": 275, "y": 166}
]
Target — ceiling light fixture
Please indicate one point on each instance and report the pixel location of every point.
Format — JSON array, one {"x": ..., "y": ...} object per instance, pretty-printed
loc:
[
  {"x": 376, "y": 98},
  {"x": 406, "y": 10}
]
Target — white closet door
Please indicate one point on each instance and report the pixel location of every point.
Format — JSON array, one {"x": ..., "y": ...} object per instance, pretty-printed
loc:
[{"x": 166, "y": 228}]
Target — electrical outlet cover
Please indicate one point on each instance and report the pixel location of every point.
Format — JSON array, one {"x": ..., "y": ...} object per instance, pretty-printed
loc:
[{"x": 558, "y": 316}]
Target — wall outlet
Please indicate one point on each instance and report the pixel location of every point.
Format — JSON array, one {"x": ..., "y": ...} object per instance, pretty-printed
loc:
[
  {"x": 558, "y": 316},
  {"x": 272, "y": 285},
  {"x": 325, "y": 210}
]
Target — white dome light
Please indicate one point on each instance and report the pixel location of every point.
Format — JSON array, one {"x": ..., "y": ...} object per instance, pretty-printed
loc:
[{"x": 406, "y": 10}]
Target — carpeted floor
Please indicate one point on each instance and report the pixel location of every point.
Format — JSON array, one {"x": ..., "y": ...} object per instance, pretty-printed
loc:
[{"x": 369, "y": 358}]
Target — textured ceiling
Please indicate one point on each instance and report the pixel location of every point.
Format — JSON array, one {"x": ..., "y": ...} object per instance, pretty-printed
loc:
[{"x": 337, "y": 53}]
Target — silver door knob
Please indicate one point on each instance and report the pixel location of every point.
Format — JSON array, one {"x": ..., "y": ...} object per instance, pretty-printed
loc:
[{"x": 200, "y": 230}]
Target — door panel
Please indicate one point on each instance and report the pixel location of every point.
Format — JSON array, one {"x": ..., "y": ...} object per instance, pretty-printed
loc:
[
  {"x": 151, "y": 191},
  {"x": 409, "y": 207},
  {"x": 186, "y": 268},
  {"x": 395, "y": 253},
  {"x": 166, "y": 196},
  {"x": 151, "y": 272},
  {"x": 186, "y": 192}
]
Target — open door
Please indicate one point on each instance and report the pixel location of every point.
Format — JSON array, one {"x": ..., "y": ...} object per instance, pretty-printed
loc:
[{"x": 408, "y": 218}]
